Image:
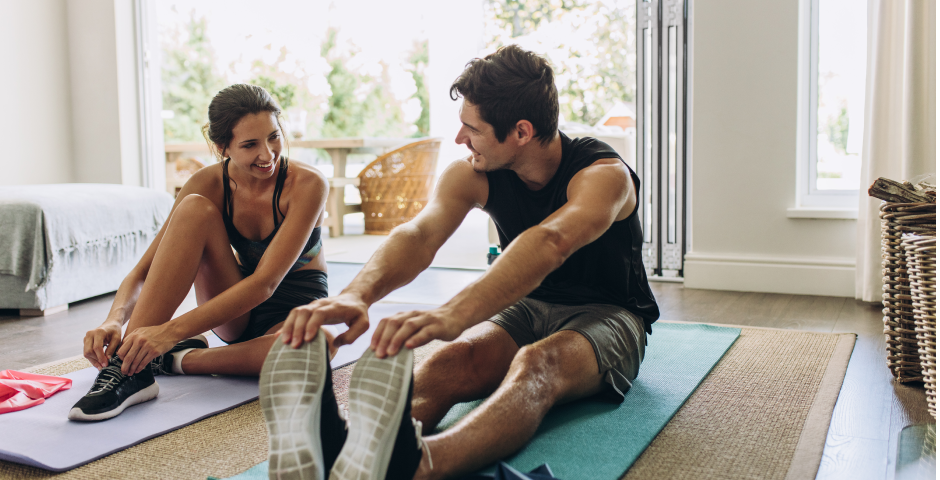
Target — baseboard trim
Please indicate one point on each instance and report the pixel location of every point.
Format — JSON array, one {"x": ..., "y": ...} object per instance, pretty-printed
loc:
[
  {"x": 43, "y": 312},
  {"x": 824, "y": 276}
]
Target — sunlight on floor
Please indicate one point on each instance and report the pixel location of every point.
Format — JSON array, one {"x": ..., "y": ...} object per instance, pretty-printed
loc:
[{"x": 466, "y": 248}]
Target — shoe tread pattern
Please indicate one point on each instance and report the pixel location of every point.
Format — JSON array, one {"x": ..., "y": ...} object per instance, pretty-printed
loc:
[
  {"x": 378, "y": 390},
  {"x": 291, "y": 385}
]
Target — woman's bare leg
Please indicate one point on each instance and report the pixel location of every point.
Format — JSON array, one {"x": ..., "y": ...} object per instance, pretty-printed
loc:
[
  {"x": 194, "y": 249},
  {"x": 245, "y": 358}
]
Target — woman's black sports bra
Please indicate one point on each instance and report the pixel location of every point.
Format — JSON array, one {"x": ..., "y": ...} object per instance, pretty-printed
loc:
[{"x": 249, "y": 251}]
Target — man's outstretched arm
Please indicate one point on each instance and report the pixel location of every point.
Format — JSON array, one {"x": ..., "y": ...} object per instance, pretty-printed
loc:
[
  {"x": 408, "y": 251},
  {"x": 597, "y": 196}
]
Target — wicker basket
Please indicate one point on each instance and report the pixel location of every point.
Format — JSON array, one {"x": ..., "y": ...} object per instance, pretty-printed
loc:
[
  {"x": 898, "y": 219},
  {"x": 395, "y": 187},
  {"x": 921, "y": 255}
]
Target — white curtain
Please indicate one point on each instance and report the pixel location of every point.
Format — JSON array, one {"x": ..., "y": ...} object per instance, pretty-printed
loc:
[{"x": 900, "y": 117}]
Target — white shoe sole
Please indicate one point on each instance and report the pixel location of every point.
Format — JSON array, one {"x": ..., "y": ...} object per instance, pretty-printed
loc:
[
  {"x": 291, "y": 391},
  {"x": 142, "y": 396},
  {"x": 378, "y": 390}
]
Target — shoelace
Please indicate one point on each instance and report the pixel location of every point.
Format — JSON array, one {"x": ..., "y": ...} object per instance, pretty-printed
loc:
[
  {"x": 108, "y": 378},
  {"x": 422, "y": 445},
  {"x": 156, "y": 366}
]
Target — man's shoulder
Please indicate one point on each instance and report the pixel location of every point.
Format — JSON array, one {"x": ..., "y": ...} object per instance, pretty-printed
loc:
[
  {"x": 590, "y": 148},
  {"x": 460, "y": 179}
]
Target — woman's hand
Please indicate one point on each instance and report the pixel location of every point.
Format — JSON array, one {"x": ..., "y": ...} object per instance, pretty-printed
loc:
[
  {"x": 143, "y": 345},
  {"x": 101, "y": 343}
]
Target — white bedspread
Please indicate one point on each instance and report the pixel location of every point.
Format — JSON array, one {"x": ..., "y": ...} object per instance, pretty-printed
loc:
[{"x": 96, "y": 221}]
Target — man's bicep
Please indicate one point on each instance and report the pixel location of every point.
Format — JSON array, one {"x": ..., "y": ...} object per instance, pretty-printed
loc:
[{"x": 596, "y": 198}]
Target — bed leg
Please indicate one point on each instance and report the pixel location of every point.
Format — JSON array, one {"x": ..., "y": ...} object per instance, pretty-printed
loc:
[{"x": 36, "y": 312}]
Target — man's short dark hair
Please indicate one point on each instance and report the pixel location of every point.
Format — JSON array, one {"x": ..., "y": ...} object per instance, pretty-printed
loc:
[{"x": 509, "y": 85}]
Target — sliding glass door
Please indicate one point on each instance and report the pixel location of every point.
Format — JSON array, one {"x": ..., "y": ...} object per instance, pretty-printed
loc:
[{"x": 662, "y": 132}]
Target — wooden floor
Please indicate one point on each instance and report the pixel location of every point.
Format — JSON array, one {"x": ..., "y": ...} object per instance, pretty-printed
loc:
[{"x": 863, "y": 436}]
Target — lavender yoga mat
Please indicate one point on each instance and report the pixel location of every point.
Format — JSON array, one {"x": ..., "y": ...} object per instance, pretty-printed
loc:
[{"x": 43, "y": 436}]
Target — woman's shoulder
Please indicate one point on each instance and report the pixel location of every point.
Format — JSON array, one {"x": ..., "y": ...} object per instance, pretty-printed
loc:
[
  {"x": 206, "y": 180},
  {"x": 307, "y": 176}
]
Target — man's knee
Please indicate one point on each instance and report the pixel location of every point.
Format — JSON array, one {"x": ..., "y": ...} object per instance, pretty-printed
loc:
[
  {"x": 462, "y": 365},
  {"x": 537, "y": 368},
  {"x": 454, "y": 359}
]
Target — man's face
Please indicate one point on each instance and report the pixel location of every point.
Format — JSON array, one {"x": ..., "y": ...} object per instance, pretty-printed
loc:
[{"x": 488, "y": 154}]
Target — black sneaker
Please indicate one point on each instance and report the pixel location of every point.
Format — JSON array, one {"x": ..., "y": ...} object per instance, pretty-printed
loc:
[
  {"x": 163, "y": 364},
  {"x": 305, "y": 429},
  {"x": 384, "y": 441},
  {"x": 113, "y": 391}
]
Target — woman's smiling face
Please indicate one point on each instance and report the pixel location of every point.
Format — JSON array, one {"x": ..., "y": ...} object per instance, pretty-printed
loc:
[{"x": 256, "y": 144}]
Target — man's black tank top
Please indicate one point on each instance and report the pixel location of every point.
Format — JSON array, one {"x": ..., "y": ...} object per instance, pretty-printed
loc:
[{"x": 609, "y": 270}]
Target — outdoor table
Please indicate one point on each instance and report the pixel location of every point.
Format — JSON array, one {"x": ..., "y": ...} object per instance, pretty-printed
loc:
[{"x": 337, "y": 148}]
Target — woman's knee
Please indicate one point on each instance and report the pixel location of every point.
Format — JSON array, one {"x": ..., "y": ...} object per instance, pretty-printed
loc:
[{"x": 197, "y": 208}]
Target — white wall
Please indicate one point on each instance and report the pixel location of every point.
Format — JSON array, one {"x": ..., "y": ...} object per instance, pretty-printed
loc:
[
  {"x": 36, "y": 121},
  {"x": 104, "y": 99},
  {"x": 743, "y": 160},
  {"x": 70, "y": 92}
]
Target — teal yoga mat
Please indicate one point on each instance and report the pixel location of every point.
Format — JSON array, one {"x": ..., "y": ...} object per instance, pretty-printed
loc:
[{"x": 598, "y": 439}]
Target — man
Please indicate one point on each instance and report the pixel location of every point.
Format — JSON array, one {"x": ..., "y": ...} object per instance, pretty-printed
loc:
[{"x": 561, "y": 315}]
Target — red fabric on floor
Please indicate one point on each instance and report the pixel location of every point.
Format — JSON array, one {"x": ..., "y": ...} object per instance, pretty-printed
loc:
[{"x": 20, "y": 390}]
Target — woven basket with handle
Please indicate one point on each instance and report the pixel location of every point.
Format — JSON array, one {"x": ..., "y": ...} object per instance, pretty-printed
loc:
[
  {"x": 396, "y": 186},
  {"x": 921, "y": 253},
  {"x": 897, "y": 220}
]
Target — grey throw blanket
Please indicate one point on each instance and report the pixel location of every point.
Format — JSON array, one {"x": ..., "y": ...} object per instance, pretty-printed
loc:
[{"x": 96, "y": 221}]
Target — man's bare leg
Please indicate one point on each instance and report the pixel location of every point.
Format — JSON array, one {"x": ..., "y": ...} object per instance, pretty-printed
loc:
[
  {"x": 470, "y": 368},
  {"x": 557, "y": 369}
]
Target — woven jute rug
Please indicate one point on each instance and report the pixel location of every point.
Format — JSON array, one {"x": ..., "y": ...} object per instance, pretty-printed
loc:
[{"x": 763, "y": 412}]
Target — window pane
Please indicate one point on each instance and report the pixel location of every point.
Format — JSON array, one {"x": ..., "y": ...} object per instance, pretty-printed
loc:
[
  {"x": 840, "y": 110},
  {"x": 647, "y": 184},
  {"x": 672, "y": 113},
  {"x": 330, "y": 67}
]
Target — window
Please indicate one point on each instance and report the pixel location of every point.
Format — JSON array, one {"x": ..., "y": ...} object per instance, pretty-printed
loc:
[{"x": 834, "y": 98}]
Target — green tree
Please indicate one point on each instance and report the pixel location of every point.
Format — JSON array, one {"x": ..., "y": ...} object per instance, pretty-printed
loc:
[
  {"x": 190, "y": 80},
  {"x": 343, "y": 117},
  {"x": 590, "y": 76},
  {"x": 284, "y": 93},
  {"x": 837, "y": 129},
  {"x": 359, "y": 104},
  {"x": 417, "y": 64}
]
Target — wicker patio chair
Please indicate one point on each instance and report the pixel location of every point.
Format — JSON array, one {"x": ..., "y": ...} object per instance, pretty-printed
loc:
[{"x": 396, "y": 186}]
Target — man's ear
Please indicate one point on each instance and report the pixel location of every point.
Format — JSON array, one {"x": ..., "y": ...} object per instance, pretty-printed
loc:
[{"x": 524, "y": 132}]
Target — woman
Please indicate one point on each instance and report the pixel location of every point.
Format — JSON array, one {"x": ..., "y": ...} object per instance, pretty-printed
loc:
[{"x": 255, "y": 201}]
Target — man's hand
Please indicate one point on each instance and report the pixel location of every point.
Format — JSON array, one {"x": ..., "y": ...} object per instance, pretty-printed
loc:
[
  {"x": 143, "y": 345},
  {"x": 101, "y": 343},
  {"x": 414, "y": 329},
  {"x": 304, "y": 322}
]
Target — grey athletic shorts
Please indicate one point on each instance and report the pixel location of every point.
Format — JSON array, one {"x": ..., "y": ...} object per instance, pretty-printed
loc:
[{"x": 618, "y": 336}]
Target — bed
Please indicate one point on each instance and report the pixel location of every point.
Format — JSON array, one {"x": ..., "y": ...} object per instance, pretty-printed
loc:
[{"x": 63, "y": 243}]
